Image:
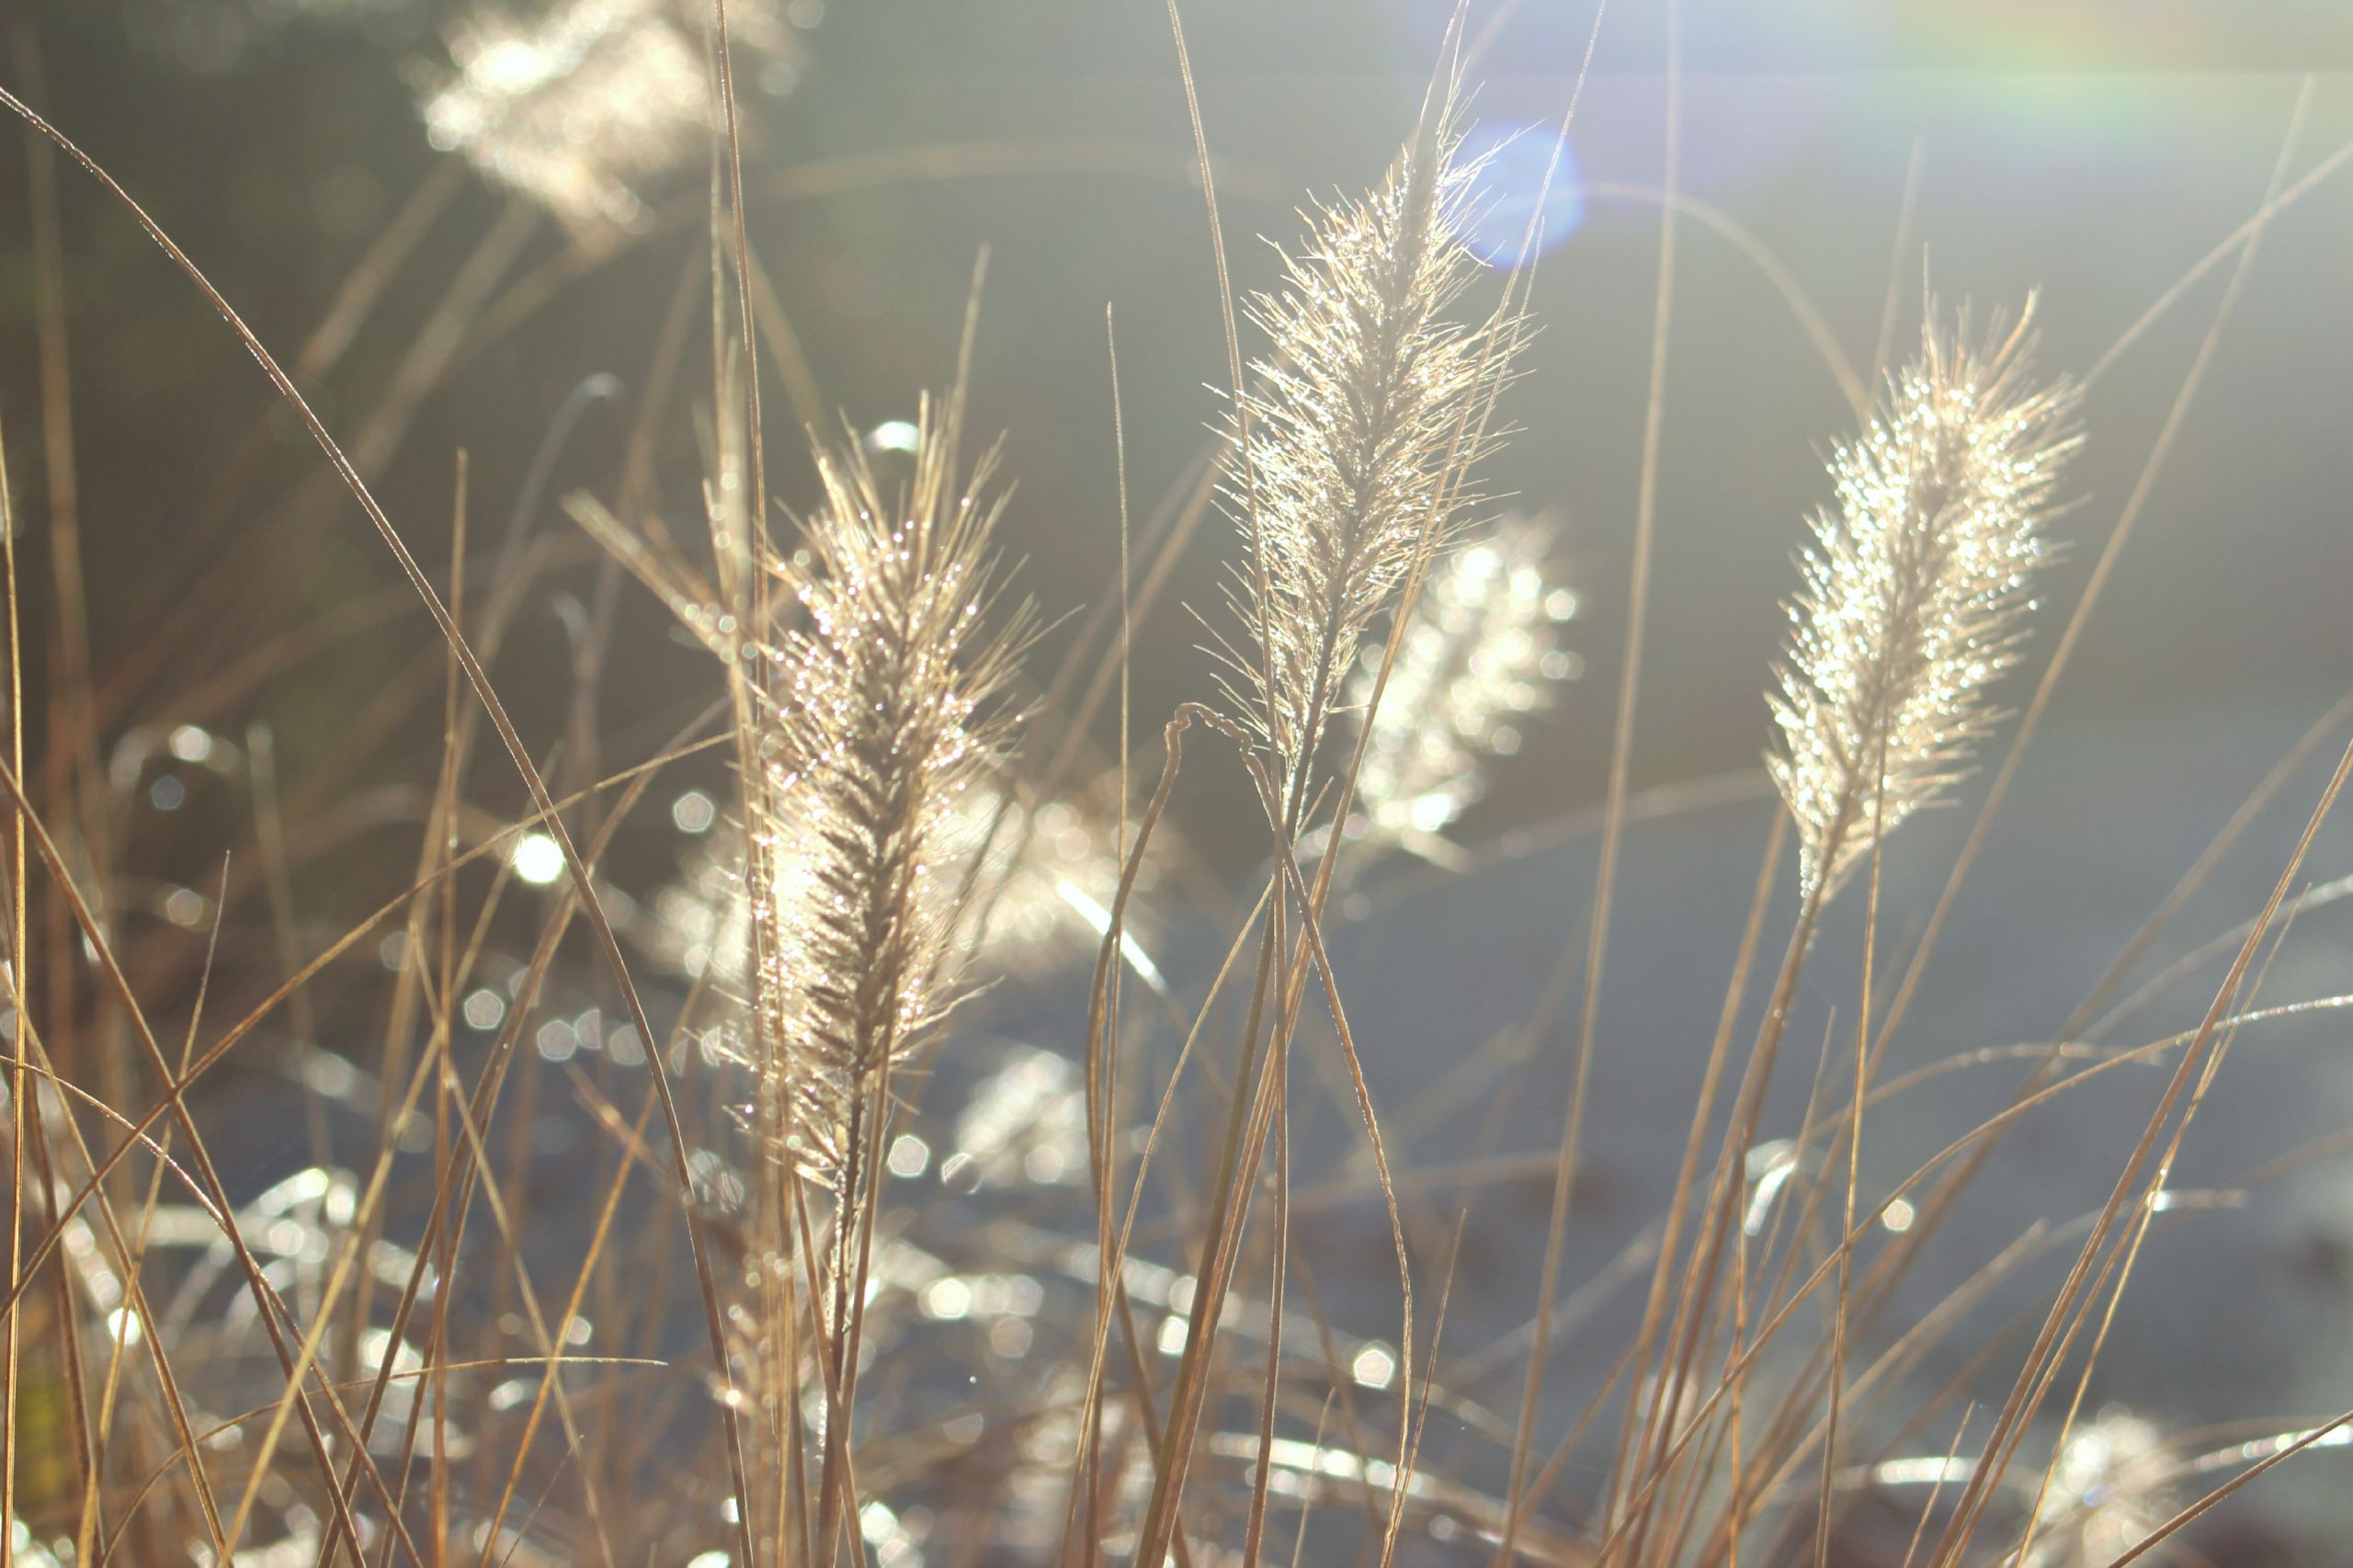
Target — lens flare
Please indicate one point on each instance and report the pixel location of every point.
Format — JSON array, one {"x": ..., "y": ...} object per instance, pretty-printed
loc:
[{"x": 1516, "y": 214}]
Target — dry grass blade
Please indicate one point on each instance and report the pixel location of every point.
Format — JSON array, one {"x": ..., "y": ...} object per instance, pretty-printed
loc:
[
  {"x": 1622, "y": 746},
  {"x": 19, "y": 1104},
  {"x": 479, "y": 681}
]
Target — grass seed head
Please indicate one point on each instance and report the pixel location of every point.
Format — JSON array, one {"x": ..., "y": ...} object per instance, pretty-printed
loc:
[
  {"x": 1361, "y": 422},
  {"x": 1915, "y": 590}
]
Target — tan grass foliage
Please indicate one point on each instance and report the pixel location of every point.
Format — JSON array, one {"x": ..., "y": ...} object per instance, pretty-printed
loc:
[{"x": 1054, "y": 1311}]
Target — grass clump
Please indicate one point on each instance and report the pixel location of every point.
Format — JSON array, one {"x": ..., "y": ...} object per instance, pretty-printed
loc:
[{"x": 706, "y": 1195}]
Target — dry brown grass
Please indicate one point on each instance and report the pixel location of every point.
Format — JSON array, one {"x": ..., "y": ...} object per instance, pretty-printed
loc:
[{"x": 710, "y": 1322}]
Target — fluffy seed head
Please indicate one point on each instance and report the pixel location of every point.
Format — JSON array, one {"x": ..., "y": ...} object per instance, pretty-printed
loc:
[
  {"x": 885, "y": 715},
  {"x": 1914, "y": 590},
  {"x": 1362, "y": 419},
  {"x": 1041, "y": 882}
]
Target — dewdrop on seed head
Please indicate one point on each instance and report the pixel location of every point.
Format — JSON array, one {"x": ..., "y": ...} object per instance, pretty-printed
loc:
[{"x": 1914, "y": 590}]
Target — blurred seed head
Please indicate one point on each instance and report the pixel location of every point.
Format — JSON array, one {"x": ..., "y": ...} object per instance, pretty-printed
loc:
[
  {"x": 1480, "y": 654},
  {"x": 1026, "y": 1122},
  {"x": 583, "y": 105},
  {"x": 2111, "y": 1486}
]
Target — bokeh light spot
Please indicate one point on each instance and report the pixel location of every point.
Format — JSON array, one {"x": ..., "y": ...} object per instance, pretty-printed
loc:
[{"x": 538, "y": 858}]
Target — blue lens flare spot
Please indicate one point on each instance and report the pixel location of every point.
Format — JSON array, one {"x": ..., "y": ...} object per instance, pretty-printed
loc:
[{"x": 1512, "y": 202}]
